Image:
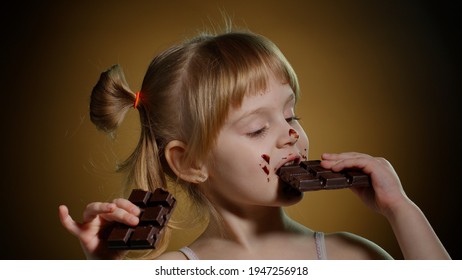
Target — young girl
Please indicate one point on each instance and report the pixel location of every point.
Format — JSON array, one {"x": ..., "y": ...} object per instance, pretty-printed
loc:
[{"x": 217, "y": 116}]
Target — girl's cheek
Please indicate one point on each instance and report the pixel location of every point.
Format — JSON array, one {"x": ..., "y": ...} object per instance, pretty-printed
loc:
[
  {"x": 304, "y": 155},
  {"x": 303, "y": 145}
]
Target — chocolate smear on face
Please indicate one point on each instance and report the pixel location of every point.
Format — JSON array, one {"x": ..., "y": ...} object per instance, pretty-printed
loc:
[
  {"x": 266, "y": 158},
  {"x": 265, "y": 169},
  {"x": 305, "y": 155}
]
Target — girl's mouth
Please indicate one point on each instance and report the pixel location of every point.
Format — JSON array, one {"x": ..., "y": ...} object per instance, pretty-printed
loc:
[
  {"x": 292, "y": 159},
  {"x": 292, "y": 162}
]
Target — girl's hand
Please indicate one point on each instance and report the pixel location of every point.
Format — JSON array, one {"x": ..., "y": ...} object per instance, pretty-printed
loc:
[
  {"x": 97, "y": 220},
  {"x": 387, "y": 193}
]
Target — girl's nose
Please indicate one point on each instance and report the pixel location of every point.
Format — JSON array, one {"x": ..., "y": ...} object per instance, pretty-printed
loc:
[{"x": 289, "y": 138}]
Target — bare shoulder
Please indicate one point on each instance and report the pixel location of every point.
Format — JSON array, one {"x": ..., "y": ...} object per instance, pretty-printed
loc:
[
  {"x": 345, "y": 245},
  {"x": 172, "y": 255}
]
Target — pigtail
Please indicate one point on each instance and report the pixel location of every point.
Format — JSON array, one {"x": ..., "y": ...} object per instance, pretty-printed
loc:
[{"x": 110, "y": 100}]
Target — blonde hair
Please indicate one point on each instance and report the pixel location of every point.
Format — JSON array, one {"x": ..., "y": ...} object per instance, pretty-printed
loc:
[{"x": 186, "y": 95}]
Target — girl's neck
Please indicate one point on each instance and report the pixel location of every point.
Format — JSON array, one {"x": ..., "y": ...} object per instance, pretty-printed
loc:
[{"x": 255, "y": 225}]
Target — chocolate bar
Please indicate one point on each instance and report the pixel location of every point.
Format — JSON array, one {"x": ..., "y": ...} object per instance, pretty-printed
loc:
[
  {"x": 156, "y": 208},
  {"x": 311, "y": 176}
]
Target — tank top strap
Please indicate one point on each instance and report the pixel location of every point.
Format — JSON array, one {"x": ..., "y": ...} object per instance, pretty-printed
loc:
[
  {"x": 190, "y": 255},
  {"x": 320, "y": 245}
]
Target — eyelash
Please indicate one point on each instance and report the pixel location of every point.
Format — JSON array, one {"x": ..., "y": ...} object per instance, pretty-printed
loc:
[
  {"x": 262, "y": 131},
  {"x": 292, "y": 119},
  {"x": 258, "y": 133}
]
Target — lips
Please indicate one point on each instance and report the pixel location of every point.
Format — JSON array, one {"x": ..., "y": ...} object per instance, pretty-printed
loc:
[
  {"x": 292, "y": 162},
  {"x": 291, "y": 159}
]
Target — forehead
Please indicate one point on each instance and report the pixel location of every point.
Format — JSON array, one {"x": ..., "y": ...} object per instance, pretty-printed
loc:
[{"x": 275, "y": 96}]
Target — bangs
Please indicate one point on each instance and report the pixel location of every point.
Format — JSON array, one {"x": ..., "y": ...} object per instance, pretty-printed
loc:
[
  {"x": 223, "y": 70},
  {"x": 245, "y": 64}
]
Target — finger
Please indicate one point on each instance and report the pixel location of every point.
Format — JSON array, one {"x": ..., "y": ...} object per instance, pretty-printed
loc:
[
  {"x": 122, "y": 216},
  {"x": 97, "y": 208},
  {"x": 331, "y": 160},
  {"x": 67, "y": 221},
  {"x": 361, "y": 162},
  {"x": 328, "y": 156},
  {"x": 340, "y": 156},
  {"x": 127, "y": 205}
]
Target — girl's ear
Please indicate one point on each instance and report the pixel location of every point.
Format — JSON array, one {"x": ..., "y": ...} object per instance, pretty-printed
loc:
[{"x": 174, "y": 153}]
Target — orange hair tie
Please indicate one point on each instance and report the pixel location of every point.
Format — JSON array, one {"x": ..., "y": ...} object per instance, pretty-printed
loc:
[{"x": 137, "y": 100}]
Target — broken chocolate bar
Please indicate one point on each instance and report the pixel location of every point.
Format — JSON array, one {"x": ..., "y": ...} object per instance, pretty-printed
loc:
[
  {"x": 156, "y": 208},
  {"x": 310, "y": 176}
]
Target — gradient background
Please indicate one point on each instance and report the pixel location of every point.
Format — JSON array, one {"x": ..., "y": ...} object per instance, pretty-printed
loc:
[{"x": 379, "y": 77}]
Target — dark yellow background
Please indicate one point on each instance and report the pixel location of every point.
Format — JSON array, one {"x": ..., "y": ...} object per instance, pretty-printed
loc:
[{"x": 377, "y": 76}]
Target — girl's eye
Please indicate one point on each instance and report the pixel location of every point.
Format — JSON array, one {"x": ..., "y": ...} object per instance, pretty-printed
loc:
[
  {"x": 258, "y": 133},
  {"x": 292, "y": 119}
]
